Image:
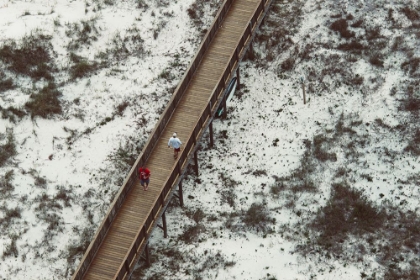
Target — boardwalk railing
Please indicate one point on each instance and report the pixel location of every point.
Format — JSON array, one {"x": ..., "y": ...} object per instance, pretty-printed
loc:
[{"x": 206, "y": 116}]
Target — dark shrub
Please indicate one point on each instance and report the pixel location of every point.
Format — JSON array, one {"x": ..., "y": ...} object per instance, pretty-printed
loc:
[
  {"x": 341, "y": 25},
  {"x": 373, "y": 33},
  {"x": 257, "y": 216},
  {"x": 192, "y": 233},
  {"x": 320, "y": 142},
  {"x": 31, "y": 58},
  {"x": 6, "y": 84},
  {"x": 7, "y": 150},
  {"x": 76, "y": 58},
  {"x": 410, "y": 14},
  {"x": 414, "y": 144},
  {"x": 10, "y": 214},
  {"x": 81, "y": 69},
  {"x": 376, "y": 60},
  {"x": 412, "y": 104},
  {"x": 17, "y": 112},
  {"x": 357, "y": 80},
  {"x": 357, "y": 24},
  {"x": 42, "y": 71},
  {"x": 347, "y": 212},
  {"x": 45, "y": 103},
  {"x": 352, "y": 46},
  {"x": 121, "y": 107},
  {"x": 192, "y": 11},
  {"x": 411, "y": 65},
  {"x": 288, "y": 64}
]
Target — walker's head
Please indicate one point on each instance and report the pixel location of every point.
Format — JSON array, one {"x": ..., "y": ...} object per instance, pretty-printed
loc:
[{"x": 174, "y": 135}]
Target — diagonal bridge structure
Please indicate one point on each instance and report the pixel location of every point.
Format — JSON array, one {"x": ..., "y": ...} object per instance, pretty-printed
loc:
[{"x": 121, "y": 240}]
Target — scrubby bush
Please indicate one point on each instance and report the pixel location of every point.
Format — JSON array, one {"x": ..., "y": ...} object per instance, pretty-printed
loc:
[
  {"x": 257, "y": 216},
  {"x": 141, "y": 4},
  {"x": 341, "y": 26},
  {"x": 411, "y": 65},
  {"x": 6, "y": 183},
  {"x": 5, "y": 83},
  {"x": 81, "y": 69},
  {"x": 82, "y": 34},
  {"x": 31, "y": 58},
  {"x": 11, "y": 249},
  {"x": 347, "y": 212},
  {"x": 228, "y": 196},
  {"x": 357, "y": 23},
  {"x": 8, "y": 149},
  {"x": 192, "y": 233},
  {"x": 373, "y": 33},
  {"x": 410, "y": 13},
  {"x": 78, "y": 248},
  {"x": 121, "y": 107},
  {"x": 357, "y": 80},
  {"x": 9, "y": 214},
  {"x": 321, "y": 143},
  {"x": 45, "y": 103},
  {"x": 11, "y": 113},
  {"x": 288, "y": 64},
  {"x": 414, "y": 143},
  {"x": 198, "y": 216},
  {"x": 192, "y": 11},
  {"x": 352, "y": 46}
]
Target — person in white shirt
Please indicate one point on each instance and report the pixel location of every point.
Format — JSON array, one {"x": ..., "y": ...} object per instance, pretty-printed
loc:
[{"x": 175, "y": 143}]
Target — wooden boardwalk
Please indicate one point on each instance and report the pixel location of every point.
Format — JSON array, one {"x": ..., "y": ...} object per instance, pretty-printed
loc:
[{"x": 131, "y": 218}]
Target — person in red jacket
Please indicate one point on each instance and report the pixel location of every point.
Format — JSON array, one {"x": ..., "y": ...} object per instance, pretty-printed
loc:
[{"x": 144, "y": 175}]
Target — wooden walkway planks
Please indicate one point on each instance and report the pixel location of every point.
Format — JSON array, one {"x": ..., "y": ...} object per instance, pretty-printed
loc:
[{"x": 139, "y": 203}]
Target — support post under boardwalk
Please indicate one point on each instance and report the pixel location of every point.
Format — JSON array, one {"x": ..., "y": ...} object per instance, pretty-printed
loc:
[
  {"x": 224, "y": 107},
  {"x": 238, "y": 83},
  {"x": 196, "y": 163},
  {"x": 163, "y": 226},
  {"x": 146, "y": 253},
  {"x": 180, "y": 195},
  {"x": 211, "y": 134}
]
